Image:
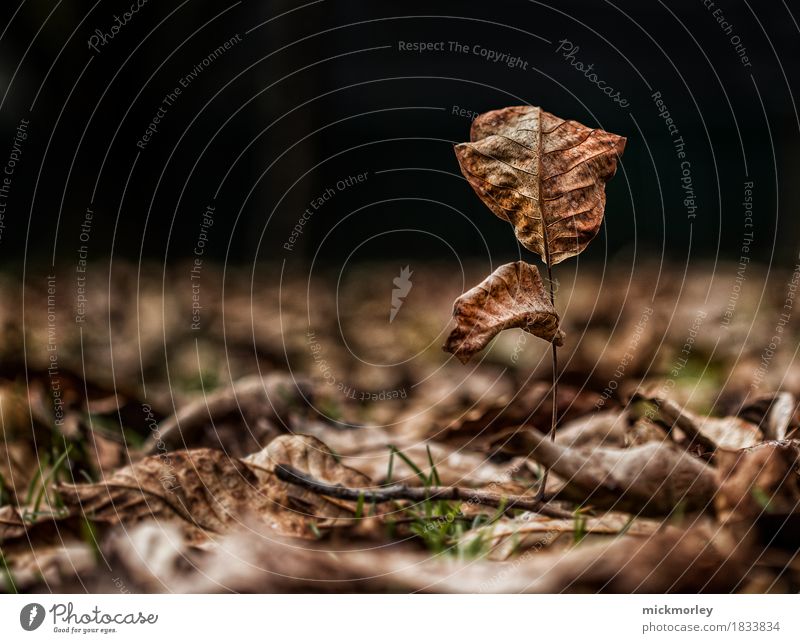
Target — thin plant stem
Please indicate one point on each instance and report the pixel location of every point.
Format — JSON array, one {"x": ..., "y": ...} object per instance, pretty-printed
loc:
[
  {"x": 549, "y": 261},
  {"x": 554, "y": 416}
]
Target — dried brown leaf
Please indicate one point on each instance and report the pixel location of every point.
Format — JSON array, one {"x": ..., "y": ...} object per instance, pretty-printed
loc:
[
  {"x": 511, "y": 536},
  {"x": 671, "y": 560},
  {"x": 544, "y": 175},
  {"x": 653, "y": 479},
  {"x": 731, "y": 433},
  {"x": 602, "y": 428},
  {"x": 645, "y": 430},
  {"x": 256, "y": 407},
  {"x": 205, "y": 488},
  {"x": 529, "y": 406},
  {"x": 454, "y": 466},
  {"x": 312, "y": 456},
  {"x": 210, "y": 492},
  {"x": 774, "y": 413},
  {"x": 25, "y": 432},
  {"x": 761, "y": 486},
  {"x": 60, "y": 563},
  {"x": 511, "y": 297},
  {"x": 12, "y": 524}
]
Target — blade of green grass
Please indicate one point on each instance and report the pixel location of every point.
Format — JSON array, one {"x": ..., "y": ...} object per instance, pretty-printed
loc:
[
  {"x": 11, "y": 586},
  {"x": 390, "y": 468},
  {"x": 53, "y": 472},
  {"x": 411, "y": 464},
  {"x": 35, "y": 479},
  {"x": 360, "y": 506},
  {"x": 579, "y": 529},
  {"x": 434, "y": 473}
]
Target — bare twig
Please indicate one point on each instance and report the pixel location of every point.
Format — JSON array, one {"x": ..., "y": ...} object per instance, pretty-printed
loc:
[{"x": 287, "y": 473}]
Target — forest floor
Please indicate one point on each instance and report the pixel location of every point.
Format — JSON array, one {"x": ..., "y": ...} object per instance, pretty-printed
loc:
[{"x": 283, "y": 434}]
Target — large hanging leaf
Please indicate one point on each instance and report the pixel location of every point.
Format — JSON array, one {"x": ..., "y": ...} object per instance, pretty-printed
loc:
[
  {"x": 511, "y": 297},
  {"x": 544, "y": 175}
]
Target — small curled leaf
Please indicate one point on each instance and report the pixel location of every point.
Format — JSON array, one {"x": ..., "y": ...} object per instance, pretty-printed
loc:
[{"x": 511, "y": 297}]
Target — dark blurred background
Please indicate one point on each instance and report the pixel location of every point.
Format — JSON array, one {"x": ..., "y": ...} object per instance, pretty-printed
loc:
[{"x": 309, "y": 94}]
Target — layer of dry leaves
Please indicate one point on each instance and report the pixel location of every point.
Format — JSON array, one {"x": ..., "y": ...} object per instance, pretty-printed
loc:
[{"x": 683, "y": 482}]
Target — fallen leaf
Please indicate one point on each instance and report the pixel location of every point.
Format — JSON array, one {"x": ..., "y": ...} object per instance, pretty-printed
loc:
[
  {"x": 511, "y": 297},
  {"x": 367, "y": 450},
  {"x": 529, "y": 406},
  {"x": 61, "y": 563},
  {"x": 652, "y": 479},
  {"x": 672, "y": 560},
  {"x": 312, "y": 456},
  {"x": 757, "y": 482},
  {"x": 731, "y": 433},
  {"x": 210, "y": 492},
  {"x": 774, "y": 413},
  {"x": 40, "y": 547},
  {"x": 257, "y": 408},
  {"x": 544, "y": 175},
  {"x": 512, "y": 536},
  {"x": 12, "y": 524},
  {"x": 204, "y": 488},
  {"x": 602, "y": 428},
  {"x": 645, "y": 430},
  {"x": 153, "y": 555},
  {"x": 453, "y": 466},
  {"x": 25, "y": 436}
]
